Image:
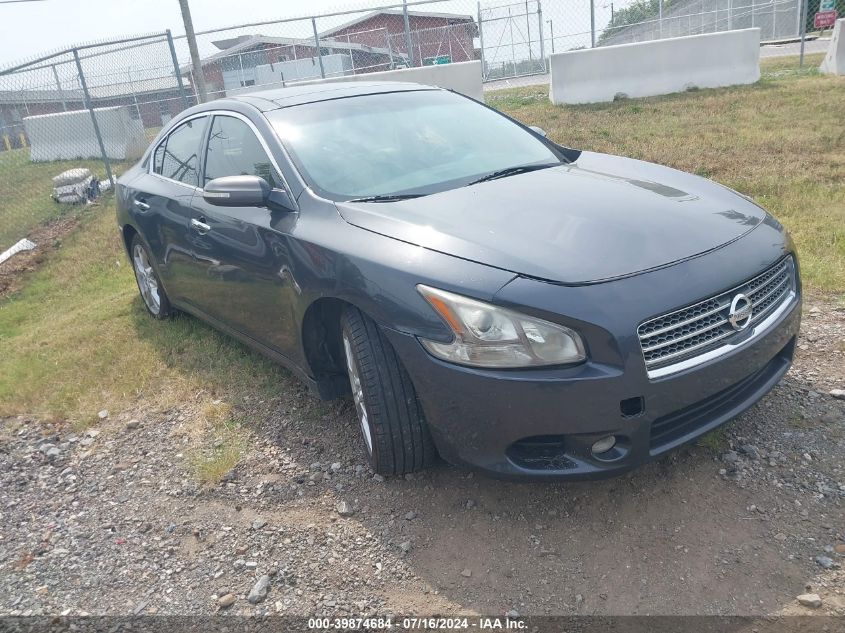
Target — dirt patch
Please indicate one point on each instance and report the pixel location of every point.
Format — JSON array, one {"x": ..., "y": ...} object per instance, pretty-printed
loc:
[{"x": 48, "y": 238}]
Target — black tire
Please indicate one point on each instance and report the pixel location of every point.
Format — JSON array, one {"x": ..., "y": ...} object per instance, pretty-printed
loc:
[
  {"x": 158, "y": 305},
  {"x": 400, "y": 439}
]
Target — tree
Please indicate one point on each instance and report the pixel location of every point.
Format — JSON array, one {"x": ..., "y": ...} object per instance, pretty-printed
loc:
[{"x": 638, "y": 11}]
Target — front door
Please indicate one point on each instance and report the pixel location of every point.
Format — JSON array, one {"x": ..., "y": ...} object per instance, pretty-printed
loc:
[{"x": 241, "y": 253}]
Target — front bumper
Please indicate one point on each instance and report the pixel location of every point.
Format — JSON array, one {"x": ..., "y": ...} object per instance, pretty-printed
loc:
[{"x": 540, "y": 424}]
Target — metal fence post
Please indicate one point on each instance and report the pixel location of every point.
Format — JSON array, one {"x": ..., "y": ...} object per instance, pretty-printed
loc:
[
  {"x": 134, "y": 95},
  {"x": 317, "y": 44},
  {"x": 774, "y": 20},
  {"x": 408, "y": 44},
  {"x": 660, "y": 17},
  {"x": 528, "y": 36},
  {"x": 176, "y": 69},
  {"x": 90, "y": 108},
  {"x": 59, "y": 86},
  {"x": 592, "y": 23},
  {"x": 389, "y": 49},
  {"x": 540, "y": 23},
  {"x": 481, "y": 41},
  {"x": 803, "y": 31}
]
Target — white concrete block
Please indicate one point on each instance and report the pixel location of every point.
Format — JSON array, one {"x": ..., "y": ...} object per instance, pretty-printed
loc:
[
  {"x": 834, "y": 61},
  {"x": 22, "y": 245},
  {"x": 70, "y": 135},
  {"x": 658, "y": 67},
  {"x": 463, "y": 77}
]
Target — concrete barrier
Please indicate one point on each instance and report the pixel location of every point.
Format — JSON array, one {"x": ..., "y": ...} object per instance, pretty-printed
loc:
[
  {"x": 463, "y": 77},
  {"x": 70, "y": 135},
  {"x": 658, "y": 67},
  {"x": 834, "y": 61}
]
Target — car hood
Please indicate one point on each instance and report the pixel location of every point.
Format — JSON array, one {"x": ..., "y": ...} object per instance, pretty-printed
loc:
[{"x": 599, "y": 218}]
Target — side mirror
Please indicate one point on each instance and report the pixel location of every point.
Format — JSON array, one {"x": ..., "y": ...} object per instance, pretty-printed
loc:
[
  {"x": 538, "y": 130},
  {"x": 237, "y": 191}
]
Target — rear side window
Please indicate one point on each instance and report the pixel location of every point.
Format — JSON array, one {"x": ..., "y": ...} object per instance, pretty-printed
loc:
[
  {"x": 158, "y": 157},
  {"x": 178, "y": 156},
  {"x": 234, "y": 150}
]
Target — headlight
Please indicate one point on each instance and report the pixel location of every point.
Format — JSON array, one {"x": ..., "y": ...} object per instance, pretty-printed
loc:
[{"x": 490, "y": 336}]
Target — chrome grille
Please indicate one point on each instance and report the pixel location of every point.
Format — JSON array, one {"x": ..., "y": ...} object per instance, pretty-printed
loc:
[{"x": 703, "y": 326}]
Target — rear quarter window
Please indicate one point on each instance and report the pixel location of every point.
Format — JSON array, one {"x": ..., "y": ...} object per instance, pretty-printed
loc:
[{"x": 177, "y": 157}]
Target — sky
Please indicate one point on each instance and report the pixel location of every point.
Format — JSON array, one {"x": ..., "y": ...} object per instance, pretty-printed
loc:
[{"x": 28, "y": 29}]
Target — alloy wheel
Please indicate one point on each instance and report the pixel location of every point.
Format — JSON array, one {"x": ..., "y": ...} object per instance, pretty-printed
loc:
[
  {"x": 147, "y": 281},
  {"x": 357, "y": 392}
]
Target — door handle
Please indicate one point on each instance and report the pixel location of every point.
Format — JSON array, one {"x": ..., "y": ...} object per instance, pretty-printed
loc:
[
  {"x": 200, "y": 227},
  {"x": 142, "y": 205}
]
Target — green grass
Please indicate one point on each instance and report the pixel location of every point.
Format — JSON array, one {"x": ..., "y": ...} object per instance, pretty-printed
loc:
[
  {"x": 26, "y": 187},
  {"x": 219, "y": 442},
  {"x": 781, "y": 141},
  {"x": 714, "y": 441},
  {"x": 25, "y": 190},
  {"x": 76, "y": 338}
]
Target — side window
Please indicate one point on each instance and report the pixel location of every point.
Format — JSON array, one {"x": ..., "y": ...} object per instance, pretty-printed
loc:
[
  {"x": 158, "y": 157},
  {"x": 234, "y": 150},
  {"x": 178, "y": 156}
]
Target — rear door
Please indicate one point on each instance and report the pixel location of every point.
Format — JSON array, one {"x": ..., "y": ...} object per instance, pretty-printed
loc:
[
  {"x": 241, "y": 253},
  {"x": 160, "y": 202}
]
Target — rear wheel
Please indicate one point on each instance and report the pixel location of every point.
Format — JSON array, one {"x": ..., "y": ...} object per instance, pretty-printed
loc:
[
  {"x": 152, "y": 292},
  {"x": 396, "y": 437}
]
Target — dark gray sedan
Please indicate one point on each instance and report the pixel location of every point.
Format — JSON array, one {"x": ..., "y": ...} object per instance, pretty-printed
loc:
[{"x": 487, "y": 295}]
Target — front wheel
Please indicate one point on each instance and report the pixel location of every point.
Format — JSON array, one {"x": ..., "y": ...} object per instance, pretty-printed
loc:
[
  {"x": 152, "y": 292},
  {"x": 396, "y": 437}
]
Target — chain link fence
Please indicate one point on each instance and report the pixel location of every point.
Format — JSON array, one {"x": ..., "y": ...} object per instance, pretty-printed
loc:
[
  {"x": 73, "y": 119},
  {"x": 95, "y": 107}
]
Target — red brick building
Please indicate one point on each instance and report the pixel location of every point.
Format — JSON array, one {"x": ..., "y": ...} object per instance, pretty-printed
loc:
[
  {"x": 370, "y": 43},
  {"x": 433, "y": 35},
  {"x": 255, "y": 60}
]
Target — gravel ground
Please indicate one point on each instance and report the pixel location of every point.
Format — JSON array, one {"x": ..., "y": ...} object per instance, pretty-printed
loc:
[{"x": 112, "y": 520}]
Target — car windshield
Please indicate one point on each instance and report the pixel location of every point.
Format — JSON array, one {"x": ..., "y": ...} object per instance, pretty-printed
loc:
[{"x": 402, "y": 143}]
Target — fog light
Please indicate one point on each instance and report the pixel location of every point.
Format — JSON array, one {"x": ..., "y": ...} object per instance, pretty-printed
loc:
[{"x": 603, "y": 445}]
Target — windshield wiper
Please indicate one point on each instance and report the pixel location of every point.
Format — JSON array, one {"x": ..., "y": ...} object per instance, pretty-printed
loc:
[
  {"x": 388, "y": 198},
  {"x": 512, "y": 171}
]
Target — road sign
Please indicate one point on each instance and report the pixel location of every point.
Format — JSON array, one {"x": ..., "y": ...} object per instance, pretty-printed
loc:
[
  {"x": 825, "y": 19},
  {"x": 436, "y": 61}
]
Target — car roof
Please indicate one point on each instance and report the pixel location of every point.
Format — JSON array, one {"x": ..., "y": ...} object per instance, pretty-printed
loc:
[{"x": 276, "y": 98}]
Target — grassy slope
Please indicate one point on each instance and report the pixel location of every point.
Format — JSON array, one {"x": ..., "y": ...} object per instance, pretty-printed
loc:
[
  {"x": 76, "y": 339},
  {"x": 25, "y": 190}
]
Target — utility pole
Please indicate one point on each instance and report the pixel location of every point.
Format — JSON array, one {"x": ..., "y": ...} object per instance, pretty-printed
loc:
[
  {"x": 552, "y": 33},
  {"x": 197, "y": 75}
]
